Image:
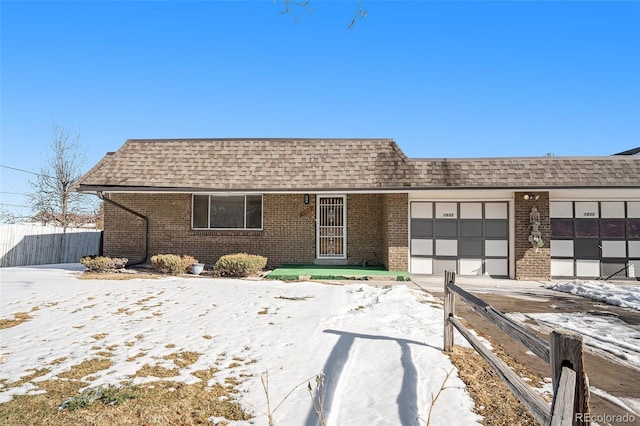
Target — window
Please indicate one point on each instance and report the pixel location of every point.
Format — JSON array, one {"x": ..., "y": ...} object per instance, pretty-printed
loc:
[{"x": 234, "y": 211}]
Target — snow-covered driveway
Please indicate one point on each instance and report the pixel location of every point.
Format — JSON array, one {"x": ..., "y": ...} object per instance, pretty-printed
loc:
[{"x": 380, "y": 348}]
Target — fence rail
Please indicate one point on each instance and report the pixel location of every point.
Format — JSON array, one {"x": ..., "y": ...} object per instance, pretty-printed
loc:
[
  {"x": 564, "y": 354},
  {"x": 23, "y": 245}
]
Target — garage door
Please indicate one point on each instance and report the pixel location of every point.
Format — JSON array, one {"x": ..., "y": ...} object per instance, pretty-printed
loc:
[
  {"x": 471, "y": 238},
  {"x": 593, "y": 239}
]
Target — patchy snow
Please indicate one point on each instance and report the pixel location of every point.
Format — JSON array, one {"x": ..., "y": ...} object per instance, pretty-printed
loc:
[
  {"x": 379, "y": 348},
  {"x": 606, "y": 333},
  {"x": 632, "y": 405},
  {"x": 626, "y": 296}
]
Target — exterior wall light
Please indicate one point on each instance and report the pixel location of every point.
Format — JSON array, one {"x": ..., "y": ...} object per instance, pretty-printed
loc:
[{"x": 530, "y": 196}]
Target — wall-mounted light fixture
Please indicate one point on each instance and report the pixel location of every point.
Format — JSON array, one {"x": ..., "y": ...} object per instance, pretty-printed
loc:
[
  {"x": 306, "y": 198},
  {"x": 530, "y": 196}
]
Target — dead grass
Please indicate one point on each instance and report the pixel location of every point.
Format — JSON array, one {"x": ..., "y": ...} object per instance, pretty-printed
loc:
[
  {"x": 156, "y": 371},
  {"x": 38, "y": 373},
  {"x": 136, "y": 356},
  {"x": 117, "y": 276},
  {"x": 18, "y": 318},
  {"x": 86, "y": 368},
  {"x": 100, "y": 336},
  {"x": 183, "y": 359},
  {"x": 487, "y": 390},
  {"x": 158, "y": 403}
]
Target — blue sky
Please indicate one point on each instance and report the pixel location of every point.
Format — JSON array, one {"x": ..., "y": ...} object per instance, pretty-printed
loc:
[{"x": 443, "y": 78}]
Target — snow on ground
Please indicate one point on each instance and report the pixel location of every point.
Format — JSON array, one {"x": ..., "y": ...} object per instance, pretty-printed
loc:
[
  {"x": 626, "y": 296},
  {"x": 606, "y": 333},
  {"x": 380, "y": 348}
]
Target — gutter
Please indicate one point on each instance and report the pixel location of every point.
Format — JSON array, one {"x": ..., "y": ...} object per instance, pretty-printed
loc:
[{"x": 145, "y": 221}]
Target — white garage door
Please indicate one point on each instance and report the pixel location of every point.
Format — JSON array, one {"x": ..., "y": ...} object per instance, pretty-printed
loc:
[
  {"x": 593, "y": 239},
  {"x": 471, "y": 238}
]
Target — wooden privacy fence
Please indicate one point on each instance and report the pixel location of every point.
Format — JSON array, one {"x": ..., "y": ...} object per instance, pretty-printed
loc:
[
  {"x": 563, "y": 353},
  {"x": 22, "y": 245}
]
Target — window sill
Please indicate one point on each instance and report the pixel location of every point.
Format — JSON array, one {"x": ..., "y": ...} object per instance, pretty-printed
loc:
[{"x": 227, "y": 232}]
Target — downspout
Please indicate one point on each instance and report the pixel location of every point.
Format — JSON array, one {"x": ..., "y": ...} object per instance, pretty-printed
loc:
[{"x": 145, "y": 230}]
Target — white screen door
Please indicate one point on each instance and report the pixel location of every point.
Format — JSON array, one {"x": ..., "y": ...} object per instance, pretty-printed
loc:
[{"x": 331, "y": 234}]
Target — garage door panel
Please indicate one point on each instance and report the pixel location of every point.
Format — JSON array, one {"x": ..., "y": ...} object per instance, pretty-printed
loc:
[
  {"x": 562, "y": 248},
  {"x": 496, "y": 229},
  {"x": 422, "y": 265},
  {"x": 614, "y": 249},
  {"x": 446, "y": 228},
  {"x": 587, "y": 228},
  {"x": 613, "y": 269},
  {"x": 496, "y": 248},
  {"x": 442, "y": 265},
  {"x": 470, "y": 267},
  {"x": 496, "y": 211},
  {"x": 586, "y": 247},
  {"x": 470, "y": 248},
  {"x": 562, "y": 267},
  {"x": 612, "y": 228},
  {"x": 496, "y": 267},
  {"x": 633, "y": 228},
  {"x": 421, "y": 228},
  {"x": 562, "y": 228},
  {"x": 422, "y": 247},
  {"x": 587, "y": 268},
  {"x": 446, "y": 247},
  {"x": 471, "y": 229},
  {"x": 633, "y": 209}
]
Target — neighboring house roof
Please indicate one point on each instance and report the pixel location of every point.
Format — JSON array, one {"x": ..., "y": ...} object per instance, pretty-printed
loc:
[
  {"x": 334, "y": 164},
  {"x": 632, "y": 151}
]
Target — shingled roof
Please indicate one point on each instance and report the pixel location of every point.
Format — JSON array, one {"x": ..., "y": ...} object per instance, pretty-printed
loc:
[
  {"x": 534, "y": 172},
  {"x": 335, "y": 165},
  {"x": 251, "y": 165}
]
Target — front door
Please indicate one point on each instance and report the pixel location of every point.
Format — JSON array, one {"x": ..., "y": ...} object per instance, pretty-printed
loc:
[{"x": 331, "y": 232}]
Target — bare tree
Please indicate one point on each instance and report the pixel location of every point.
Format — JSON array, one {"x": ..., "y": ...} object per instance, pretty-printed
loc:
[
  {"x": 292, "y": 7},
  {"x": 53, "y": 199}
]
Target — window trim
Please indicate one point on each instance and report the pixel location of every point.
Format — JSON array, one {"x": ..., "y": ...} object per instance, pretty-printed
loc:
[{"x": 229, "y": 194}]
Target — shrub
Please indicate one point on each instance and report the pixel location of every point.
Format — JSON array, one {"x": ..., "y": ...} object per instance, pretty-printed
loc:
[
  {"x": 103, "y": 263},
  {"x": 172, "y": 263},
  {"x": 239, "y": 265}
]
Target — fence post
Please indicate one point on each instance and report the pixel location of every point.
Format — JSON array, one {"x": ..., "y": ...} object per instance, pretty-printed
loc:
[
  {"x": 449, "y": 310},
  {"x": 565, "y": 348}
]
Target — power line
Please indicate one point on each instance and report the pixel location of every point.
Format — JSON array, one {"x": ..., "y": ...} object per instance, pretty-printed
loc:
[
  {"x": 14, "y": 205},
  {"x": 13, "y": 193},
  {"x": 21, "y": 170}
]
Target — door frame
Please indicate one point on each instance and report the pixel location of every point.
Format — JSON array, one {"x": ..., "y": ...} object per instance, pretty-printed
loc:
[{"x": 344, "y": 226}]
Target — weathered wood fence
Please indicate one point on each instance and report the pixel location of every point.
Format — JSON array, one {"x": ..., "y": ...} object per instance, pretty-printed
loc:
[
  {"x": 22, "y": 245},
  {"x": 563, "y": 353}
]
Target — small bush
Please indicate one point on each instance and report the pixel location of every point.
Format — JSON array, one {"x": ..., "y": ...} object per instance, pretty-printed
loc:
[
  {"x": 103, "y": 263},
  {"x": 109, "y": 395},
  {"x": 239, "y": 265},
  {"x": 172, "y": 263}
]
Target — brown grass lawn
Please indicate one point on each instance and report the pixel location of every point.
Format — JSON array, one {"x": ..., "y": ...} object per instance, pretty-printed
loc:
[{"x": 156, "y": 403}]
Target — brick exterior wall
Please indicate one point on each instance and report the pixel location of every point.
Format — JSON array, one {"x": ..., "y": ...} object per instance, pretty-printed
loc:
[
  {"x": 395, "y": 231},
  {"x": 288, "y": 234},
  {"x": 364, "y": 229},
  {"x": 532, "y": 265}
]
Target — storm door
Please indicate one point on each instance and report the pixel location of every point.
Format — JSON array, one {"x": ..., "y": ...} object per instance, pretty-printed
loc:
[{"x": 331, "y": 232}]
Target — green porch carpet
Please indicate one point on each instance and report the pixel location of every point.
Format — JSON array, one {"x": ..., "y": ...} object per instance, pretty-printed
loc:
[{"x": 327, "y": 272}]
